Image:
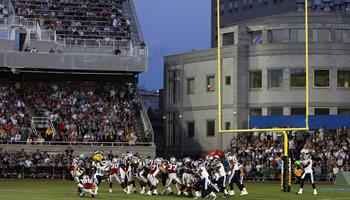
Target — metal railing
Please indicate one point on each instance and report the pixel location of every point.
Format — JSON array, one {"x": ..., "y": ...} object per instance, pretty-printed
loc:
[
  {"x": 92, "y": 43},
  {"x": 21, "y": 21},
  {"x": 41, "y": 122},
  {"x": 145, "y": 118}
]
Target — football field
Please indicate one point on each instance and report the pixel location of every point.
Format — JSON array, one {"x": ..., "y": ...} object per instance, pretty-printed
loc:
[{"x": 66, "y": 190}]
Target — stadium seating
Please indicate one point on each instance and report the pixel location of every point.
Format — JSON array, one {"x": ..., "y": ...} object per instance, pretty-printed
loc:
[
  {"x": 262, "y": 152},
  {"x": 94, "y": 19},
  {"x": 79, "y": 113},
  {"x": 3, "y": 10}
]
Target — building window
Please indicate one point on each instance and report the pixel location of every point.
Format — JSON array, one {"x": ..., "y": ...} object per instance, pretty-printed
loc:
[
  {"x": 255, "y": 112},
  {"x": 346, "y": 36},
  {"x": 321, "y": 78},
  {"x": 230, "y": 6},
  {"x": 228, "y": 39},
  {"x": 343, "y": 78},
  {"x": 276, "y": 36},
  {"x": 275, "y": 111},
  {"x": 210, "y": 83},
  {"x": 321, "y": 35},
  {"x": 250, "y": 3},
  {"x": 227, "y": 80},
  {"x": 338, "y": 35},
  {"x": 275, "y": 78},
  {"x": 190, "y": 86},
  {"x": 190, "y": 129},
  {"x": 297, "y": 111},
  {"x": 297, "y": 35},
  {"x": 222, "y": 9},
  {"x": 245, "y": 4},
  {"x": 343, "y": 111},
  {"x": 257, "y": 37},
  {"x": 321, "y": 111},
  {"x": 235, "y": 4},
  {"x": 227, "y": 125},
  {"x": 210, "y": 128},
  {"x": 297, "y": 78},
  {"x": 255, "y": 79}
]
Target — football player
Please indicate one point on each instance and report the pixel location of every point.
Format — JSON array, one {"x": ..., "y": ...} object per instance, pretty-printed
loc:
[
  {"x": 87, "y": 185},
  {"x": 171, "y": 168},
  {"x": 114, "y": 175},
  {"x": 306, "y": 164},
  {"x": 236, "y": 176}
]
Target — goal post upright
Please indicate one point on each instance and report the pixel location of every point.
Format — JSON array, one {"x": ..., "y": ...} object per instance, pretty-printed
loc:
[{"x": 286, "y": 168}]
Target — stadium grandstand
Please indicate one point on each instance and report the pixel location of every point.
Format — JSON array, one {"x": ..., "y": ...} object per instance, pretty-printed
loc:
[{"x": 69, "y": 76}]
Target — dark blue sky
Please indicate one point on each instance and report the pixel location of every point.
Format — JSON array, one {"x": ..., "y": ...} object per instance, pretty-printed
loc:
[{"x": 171, "y": 27}]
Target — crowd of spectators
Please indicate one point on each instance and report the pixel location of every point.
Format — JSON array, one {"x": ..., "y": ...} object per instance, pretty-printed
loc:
[
  {"x": 14, "y": 118},
  {"x": 86, "y": 19},
  {"x": 262, "y": 152},
  {"x": 34, "y": 165},
  {"x": 79, "y": 113},
  {"x": 3, "y": 11}
]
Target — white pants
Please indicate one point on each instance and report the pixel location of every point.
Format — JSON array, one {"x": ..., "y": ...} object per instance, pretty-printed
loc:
[
  {"x": 76, "y": 175},
  {"x": 152, "y": 180},
  {"x": 126, "y": 175},
  {"x": 172, "y": 177},
  {"x": 187, "y": 179},
  {"x": 114, "y": 178}
]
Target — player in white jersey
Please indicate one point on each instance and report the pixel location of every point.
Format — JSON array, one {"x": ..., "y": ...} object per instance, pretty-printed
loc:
[
  {"x": 306, "y": 163},
  {"x": 220, "y": 174},
  {"x": 236, "y": 176},
  {"x": 101, "y": 168},
  {"x": 171, "y": 168},
  {"x": 208, "y": 187},
  {"x": 114, "y": 174},
  {"x": 77, "y": 170}
]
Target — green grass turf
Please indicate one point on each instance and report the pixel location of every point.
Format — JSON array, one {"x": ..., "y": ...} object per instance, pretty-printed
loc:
[{"x": 66, "y": 190}]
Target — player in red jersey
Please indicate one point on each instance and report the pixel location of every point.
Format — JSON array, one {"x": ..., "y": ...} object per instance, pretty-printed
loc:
[
  {"x": 172, "y": 177},
  {"x": 114, "y": 175},
  {"x": 126, "y": 175},
  {"x": 187, "y": 176},
  {"x": 152, "y": 176},
  {"x": 87, "y": 185}
]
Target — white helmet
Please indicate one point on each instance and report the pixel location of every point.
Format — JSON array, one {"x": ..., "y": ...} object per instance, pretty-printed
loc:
[{"x": 172, "y": 160}]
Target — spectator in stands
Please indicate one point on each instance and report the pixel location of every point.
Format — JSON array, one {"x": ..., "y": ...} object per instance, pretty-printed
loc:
[
  {"x": 142, "y": 45},
  {"x": 33, "y": 50},
  {"x": 117, "y": 51},
  {"x": 27, "y": 49},
  {"x": 52, "y": 51}
]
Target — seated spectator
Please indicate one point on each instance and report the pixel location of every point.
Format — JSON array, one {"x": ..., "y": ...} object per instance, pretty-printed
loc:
[{"x": 117, "y": 52}]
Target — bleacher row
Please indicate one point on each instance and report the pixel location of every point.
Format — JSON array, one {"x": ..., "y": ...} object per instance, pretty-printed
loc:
[
  {"x": 3, "y": 10},
  {"x": 88, "y": 113},
  {"x": 85, "y": 19}
]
